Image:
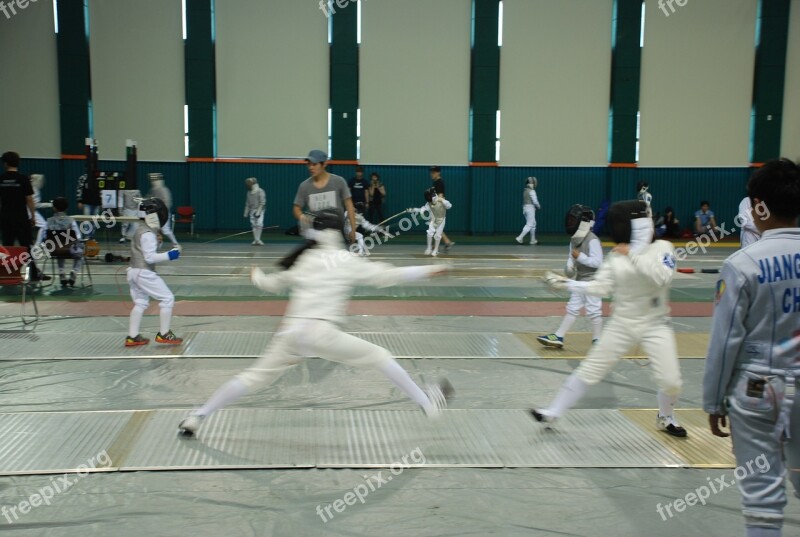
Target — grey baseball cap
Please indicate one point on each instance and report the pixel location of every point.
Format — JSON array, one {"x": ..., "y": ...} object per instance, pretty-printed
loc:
[{"x": 316, "y": 156}]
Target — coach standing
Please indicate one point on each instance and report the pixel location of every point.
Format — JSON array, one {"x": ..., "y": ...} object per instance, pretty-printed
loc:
[{"x": 16, "y": 200}]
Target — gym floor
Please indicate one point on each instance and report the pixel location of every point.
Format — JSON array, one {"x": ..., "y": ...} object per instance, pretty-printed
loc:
[{"x": 330, "y": 450}]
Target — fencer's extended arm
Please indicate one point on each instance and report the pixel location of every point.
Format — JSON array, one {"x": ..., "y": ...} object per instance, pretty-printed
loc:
[
  {"x": 595, "y": 257},
  {"x": 727, "y": 337},
  {"x": 535, "y": 199},
  {"x": 150, "y": 249},
  {"x": 602, "y": 285},
  {"x": 447, "y": 204},
  {"x": 377, "y": 274},
  {"x": 272, "y": 283}
]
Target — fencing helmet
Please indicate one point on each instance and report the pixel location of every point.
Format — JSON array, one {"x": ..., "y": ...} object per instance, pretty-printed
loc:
[
  {"x": 359, "y": 207},
  {"x": 630, "y": 223},
  {"x": 430, "y": 194},
  {"x": 531, "y": 182},
  {"x": 250, "y": 181},
  {"x": 328, "y": 219},
  {"x": 153, "y": 212},
  {"x": 156, "y": 179},
  {"x": 37, "y": 181},
  {"x": 578, "y": 216}
]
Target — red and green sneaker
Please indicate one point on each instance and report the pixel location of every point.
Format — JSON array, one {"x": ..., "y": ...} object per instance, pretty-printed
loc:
[
  {"x": 168, "y": 339},
  {"x": 136, "y": 341}
]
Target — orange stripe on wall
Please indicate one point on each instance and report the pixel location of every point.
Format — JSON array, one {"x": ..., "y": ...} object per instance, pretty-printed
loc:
[{"x": 623, "y": 165}]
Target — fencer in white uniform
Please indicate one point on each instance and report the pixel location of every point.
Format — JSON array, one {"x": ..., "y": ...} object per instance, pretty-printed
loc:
[
  {"x": 752, "y": 368},
  {"x": 585, "y": 256},
  {"x": 436, "y": 207},
  {"x": 749, "y": 233},
  {"x": 254, "y": 208},
  {"x": 321, "y": 278},
  {"x": 143, "y": 279},
  {"x": 158, "y": 189},
  {"x": 638, "y": 272},
  {"x": 530, "y": 204},
  {"x": 360, "y": 247}
]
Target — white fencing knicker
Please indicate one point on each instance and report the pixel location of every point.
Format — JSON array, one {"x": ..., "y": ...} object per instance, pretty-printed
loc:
[{"x": 144, "y": 284}]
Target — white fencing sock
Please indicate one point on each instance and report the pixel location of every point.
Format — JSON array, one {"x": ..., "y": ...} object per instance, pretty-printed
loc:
[
  {"x": 570, "y": 393},
  {"x": 597, "y": 327},
  {"x": 402, "y": 380},
  {"x": 430, "y": 242},
  {"x": 225, "y": 395},
  {"x": 362, "y": 247},
  {"x": 436, "y": 244},
  {"x": 666, "y": 404},
  {"x": 165, "y": 315},
  {"x": 255, "y": 233},
  {"x": 135, "y": 322},
  {"x": 566, "y": 324}
]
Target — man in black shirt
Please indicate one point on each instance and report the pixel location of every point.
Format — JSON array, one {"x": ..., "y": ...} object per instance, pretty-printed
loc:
[
  {"x": 358, "y": 187},
  {"x": 17, "y": 208},
  {"x": 438, "y": 185}
]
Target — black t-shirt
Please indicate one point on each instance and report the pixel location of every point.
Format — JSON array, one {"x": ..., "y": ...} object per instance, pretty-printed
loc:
[
  {"x": 438, "y": 186},
  {"x": 14, "y": 188},
  {"x": 358, "y": 189}
]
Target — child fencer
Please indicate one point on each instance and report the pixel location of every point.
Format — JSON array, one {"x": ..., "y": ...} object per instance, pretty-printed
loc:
[
  {"x": 530, "y": 204},
  {"x": 161, "y": 191},
  {"x": 585, "y": 256},
  {"x": 130, "y": 208},
  {"x": 752, "y": 368},
  {"x": 61, "y": 222},
  {"x": 254, "y": 208},
  {"x": 362, "y": 223},
  {"x": 143, "y": 279},
  {"x": 436, "y": 206},
  {"x": 638, "y": 272},
  {"x": 321, "y": 277}
]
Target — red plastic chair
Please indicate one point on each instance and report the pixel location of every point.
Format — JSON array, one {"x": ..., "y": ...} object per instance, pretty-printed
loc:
[
  {"x": 185, "y": 215},
  {"x": 15, "y": 271}
]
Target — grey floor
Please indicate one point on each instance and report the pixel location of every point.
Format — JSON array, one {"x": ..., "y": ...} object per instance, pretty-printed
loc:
[{"x": 417, "y": 501}]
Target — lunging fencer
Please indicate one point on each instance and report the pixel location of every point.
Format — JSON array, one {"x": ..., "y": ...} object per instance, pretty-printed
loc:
[
  {"x": 143, "y": 279},
  {"x": 321, "y": 277},
  {"x": 254, "y": 208},
  {"x": 585, "y": 256},
  {"x": 638, "y": 272},
  {"x": 436, "y": 206},
  {"x": 530, "y": 204},
  {"x": 752, "y": 371},
  {"x": 363, "y": 225}
]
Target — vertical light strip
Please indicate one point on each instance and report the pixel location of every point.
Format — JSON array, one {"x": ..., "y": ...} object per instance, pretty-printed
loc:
[
  {"x": 641, "y": 33},
  {"x": 183, "y": 19},
  {"x": 500, "y": 25},
  {"x": 55, "y": 15},
  {"x": 358, "y": 24}
]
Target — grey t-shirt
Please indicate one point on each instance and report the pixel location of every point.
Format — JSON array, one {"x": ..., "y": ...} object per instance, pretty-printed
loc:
[{"x": 331, "y": 196}]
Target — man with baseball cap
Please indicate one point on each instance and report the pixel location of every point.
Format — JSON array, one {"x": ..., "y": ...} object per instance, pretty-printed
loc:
[{"x": 322, "y": 191}]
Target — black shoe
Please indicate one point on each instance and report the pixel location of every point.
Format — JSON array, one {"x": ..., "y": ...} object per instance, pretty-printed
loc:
[
  {"x": 72, "y": 279},
  {"x": 42, "y": 277},
  {"x": 63, "y": 282}
]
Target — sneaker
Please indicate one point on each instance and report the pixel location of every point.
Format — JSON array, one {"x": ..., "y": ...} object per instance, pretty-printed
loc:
[
  {"x": 551, "y": 340},
  {"x": 534, "y": 242},
  {"x": 448, "y": 246},
  {"x": 169, "y": 338},
  {"x": 439, "y": 394},
  {"x": 435, "y": 253},
  {"x": 518, "y": 239},
  {"x": 594, "y": 341},
  {"x": 63, "y": 281},
  {"x": 136, "y": 341},
  {"x": 547, "y": 421},
  {"x": 670, "y": 425},
  {"x": 428, "y": 251},
  {"x": 190, "y": 425},
  {"x": 122, "y": 240},
  {"x": 71, "y": 279},
  {"x": 259, "y": 243}
]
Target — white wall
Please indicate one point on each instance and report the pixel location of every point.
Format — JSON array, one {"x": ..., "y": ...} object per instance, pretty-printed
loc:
[
  {"x": 790, "y": 137},
  {"x": 137, "y": 77},
  {"x": 415, "y": 81},
  {"x": 272, "y": 78},
  {"x": 697, "y": 83},
  {"x": 555, "y": 77},
  {"x": 29, "y": 114}
]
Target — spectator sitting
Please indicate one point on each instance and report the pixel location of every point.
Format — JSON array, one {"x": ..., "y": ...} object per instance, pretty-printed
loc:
[
  {"x": 667, "y": 226},
  {"x": 61, "y": 222},
  {"x": 704, "y": 220}
]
